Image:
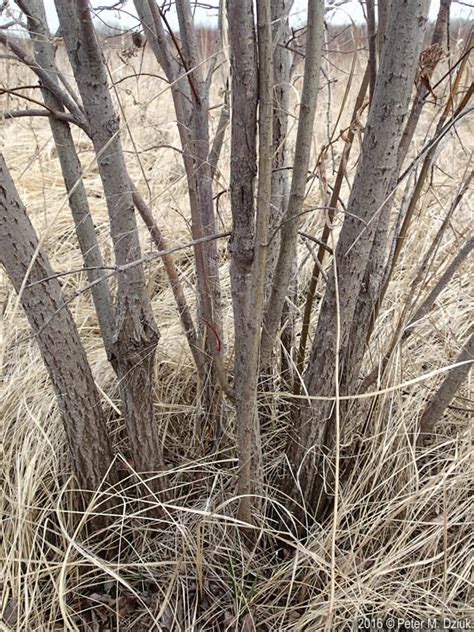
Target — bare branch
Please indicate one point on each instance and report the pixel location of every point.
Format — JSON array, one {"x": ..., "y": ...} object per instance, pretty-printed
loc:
[
  {"x": 60, "y": 116},
  {"x": 44, "y": 76},
  {"x": 248, "y": 427},
  {"x": 304, "y": 138}
]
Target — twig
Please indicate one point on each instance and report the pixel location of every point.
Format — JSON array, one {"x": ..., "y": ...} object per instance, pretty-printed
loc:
[{"x": 316, "y": 241}]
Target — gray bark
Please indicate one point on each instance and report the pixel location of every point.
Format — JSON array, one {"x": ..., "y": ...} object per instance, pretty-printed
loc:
[
  {"x": 423, "y": 88},
  {"x": 372, "y": 39},
  {"x": 191, "y": 102},
  {"x": 219, "y": 137},
  {"x": 383, "y": 10},
  {"x": 199, "y": 175},
  {"x": 152, "y": 23},
  {"x": 375, "y": 172},
  {"x": 333, "y": 202},
  {"x": 243, "y": 170},
  {"x": 247, "y": 418},
  {"x": 173, "y": 276},
  {"x": 404, "y": 330},
  {"x": 381, "y": 282},
  {"x": 424, "y": 309},
  {"x": 282, "y": 58},
  {"x": 45, "y": 79},
  {"x": 136, "y": 331},
  {"x": 378, "y": 271},
  {"x": 243, "y": 166},
  {"x": 289, "y": 231},
  {"x": 72, "y": 173},
  {"x": 44, "y": 56},
  {"x": 79, "y": 401},
  {"x": 447, "y": 391}
]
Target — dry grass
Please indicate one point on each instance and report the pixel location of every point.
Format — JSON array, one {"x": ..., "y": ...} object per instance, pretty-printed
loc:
[{"x": 403, "y": 529}]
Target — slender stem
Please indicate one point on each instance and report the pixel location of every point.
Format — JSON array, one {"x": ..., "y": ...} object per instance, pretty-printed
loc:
[
  {"x": 248, "y": 431},
  {"x": 326, "y": 232}
]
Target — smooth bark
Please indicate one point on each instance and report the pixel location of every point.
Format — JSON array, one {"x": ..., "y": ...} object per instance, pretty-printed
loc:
[
  {"x": 282, "y": 58},
  {"x": 247, "y": 418},
  {"x": 243, "y": 170},
  {"x": 173, "y": 276},
  {"x": 43, "y": 75},
  {"x": 304, "y": 138},
  {"x": 372, "y": 39},
  {"x": 191, "y": 102}
]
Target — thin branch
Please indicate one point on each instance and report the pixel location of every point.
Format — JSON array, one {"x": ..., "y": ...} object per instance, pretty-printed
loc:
[
  {"x": 304, "y": 140},
  {"x": 372, "y": 37},
  {"x": 173, "y": 276},
  {"x": 327, "y": 229},
  {"x": 316, "y": 241},
  {"x": 115, "y": 269},
  {"x": 441, "y": 284},
  {"x": 122, "y": 268},
  {"x": 218, "y": 142},
  {"x": 60, "y": 116},
  {"x": 44, "y": 76}
]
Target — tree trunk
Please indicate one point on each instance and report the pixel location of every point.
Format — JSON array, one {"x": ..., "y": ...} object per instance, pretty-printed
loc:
[
  {"x": 71, "y": 169},
  {"x": 333, "y": 202},
  {"x": 249, "y": 239},
  {"x": 243, "y": 170},
  {"x": 447, "y": 391},
  {"x": 191, "y": 103},
  {"x": 404, "y": 222},
  {"x": 72, "y": 173},
  {"x": 51, "y": 321},
  {"x": 136, "y": 331},
  {"x": 314, "y": 428},
  {"x": 282, "y": 56},
  {"x": 289, "y": 230}
]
